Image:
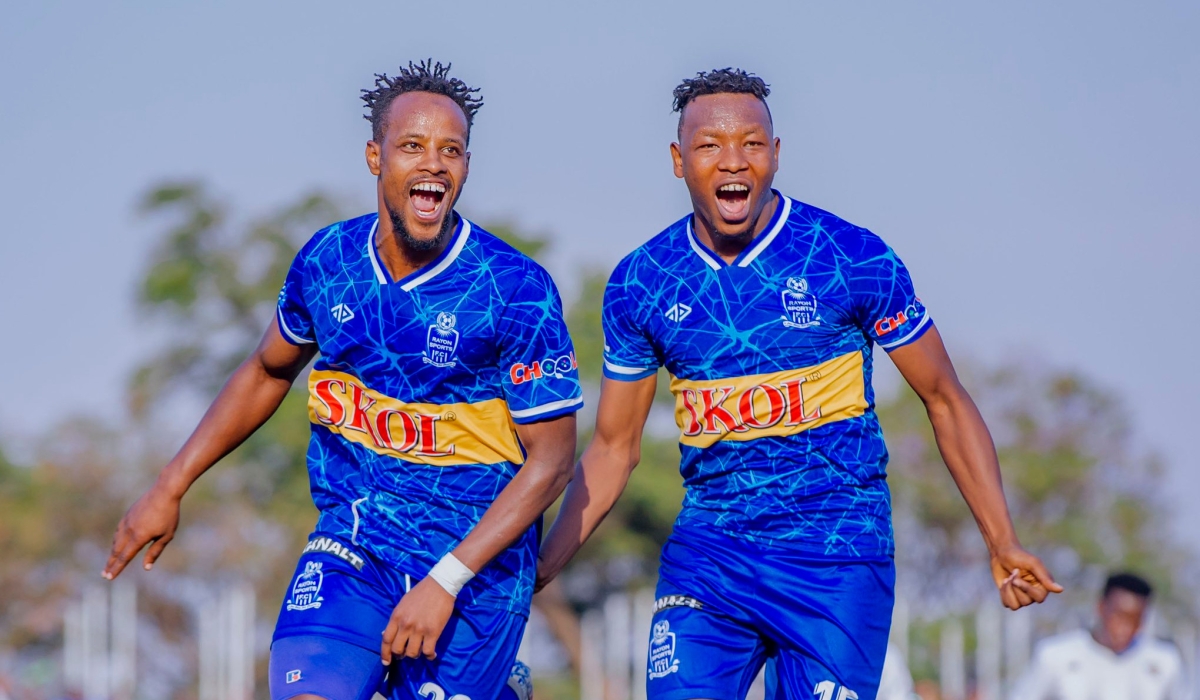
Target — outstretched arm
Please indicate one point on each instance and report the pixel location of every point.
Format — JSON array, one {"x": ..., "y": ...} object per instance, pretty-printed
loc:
[
  {"x": 967, "y": 449},
  {"x": 601, "y": 474},
  {"x": 247, "y": 400},
  {"x": 418, "y": 620}
]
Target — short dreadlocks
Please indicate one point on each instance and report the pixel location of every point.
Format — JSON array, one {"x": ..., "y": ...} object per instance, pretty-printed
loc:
[
  {"x": 425, "y": 76},
  {"x": 718, "y": 81}
]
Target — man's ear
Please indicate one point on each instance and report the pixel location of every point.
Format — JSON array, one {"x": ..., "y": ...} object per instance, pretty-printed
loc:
[
  {"x": 374, "y": 153},
  {"x": 677, "y": 158}
]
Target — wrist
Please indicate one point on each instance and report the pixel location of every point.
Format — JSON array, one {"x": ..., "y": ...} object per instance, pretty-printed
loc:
[{"x": 451, "y": 574}]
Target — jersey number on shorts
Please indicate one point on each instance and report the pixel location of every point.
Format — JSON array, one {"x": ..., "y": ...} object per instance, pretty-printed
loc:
[
  {"x": 433, "y": 691},
  {"x": 825, "y": 689}
]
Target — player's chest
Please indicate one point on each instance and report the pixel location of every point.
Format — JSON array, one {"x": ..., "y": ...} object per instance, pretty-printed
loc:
[
  {"x": 423, "y": 330},
  {"x": 786, "y": 316}
]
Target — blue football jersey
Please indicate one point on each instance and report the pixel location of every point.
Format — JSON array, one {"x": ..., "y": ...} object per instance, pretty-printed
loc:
[
  {"x": 418, "y": 387},
  {"x": 770, "y": 363}
]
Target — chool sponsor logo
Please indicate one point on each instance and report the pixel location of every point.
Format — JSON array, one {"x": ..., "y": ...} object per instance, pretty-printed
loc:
[
  {"x": 887, "y": 324},
  {"x": 557, "y": 368},
  {"x": 306, "y": 589},
  {"x": 677, "y": 601},
  {"x": 769, "y": 405},
  {"x": 661, "y": 661},
  {"x": 329, "y": 545},
  {"x": 437, "y": 434}
]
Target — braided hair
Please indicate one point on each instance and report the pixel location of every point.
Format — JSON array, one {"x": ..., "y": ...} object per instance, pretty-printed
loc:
[{"x": 425, "y": 76}]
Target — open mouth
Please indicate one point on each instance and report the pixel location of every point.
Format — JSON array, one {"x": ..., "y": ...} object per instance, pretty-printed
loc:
[
  {"x": 427, "y": 199},
  {"x": 733, "y": 200}
]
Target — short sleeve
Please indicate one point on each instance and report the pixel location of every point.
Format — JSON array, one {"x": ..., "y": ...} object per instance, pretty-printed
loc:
[
  {"x": 536, "y": 355},
  {"x": 628, "y": 353},
  {"x": 886, "y": 304},
  {"x": 295, "y": 322}
]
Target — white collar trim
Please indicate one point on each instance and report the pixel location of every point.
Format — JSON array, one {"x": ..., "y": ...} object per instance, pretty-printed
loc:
[{"x": 765, "y": 241}]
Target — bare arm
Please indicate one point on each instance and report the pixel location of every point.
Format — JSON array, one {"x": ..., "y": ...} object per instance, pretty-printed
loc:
[
  {"x": 601, "y": 474},
  {"x": 246, "y": 401},
  {"x": 418, "y": 620},
  {"x": 967, "y": 449}
]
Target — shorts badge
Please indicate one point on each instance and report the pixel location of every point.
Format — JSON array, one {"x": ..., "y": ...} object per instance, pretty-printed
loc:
[
  {"x": 306, "y": 591},
  {"x": 662, "y": 651},
  {"x": 293, "y": 676}
]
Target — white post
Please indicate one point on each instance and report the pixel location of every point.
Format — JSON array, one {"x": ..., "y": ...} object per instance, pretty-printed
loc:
[
  {"x": 238, "y": 608},
  {"x": 1018, "y": 644},
  {"x": 591, "y": 656},
  {"x": 73, "y": 648},
  {"x": 210, "y": 650},
  {"x": 639, "y": 642},
  {"x": 616, "y": 633},
  {"x": 900, "y": 623},
  {"x": 953, "y": 673},
  {"x": 95, "y": 640},
  {"x": 123, "y": 682},
  {"x": 988, "y": 650}
]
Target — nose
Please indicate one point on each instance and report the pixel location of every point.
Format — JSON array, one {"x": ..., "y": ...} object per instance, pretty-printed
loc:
[
  {"x": 432, "y": 162},
  {"x": 732, "y": 160}
]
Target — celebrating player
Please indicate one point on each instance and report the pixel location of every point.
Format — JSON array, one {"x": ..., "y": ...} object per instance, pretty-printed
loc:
[
  {"x": 764, "y": 310},
  {"x": 442, "y": 406}
]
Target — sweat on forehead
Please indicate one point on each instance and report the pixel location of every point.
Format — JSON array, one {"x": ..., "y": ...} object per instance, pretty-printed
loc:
[{"x": 726, "y": 113}]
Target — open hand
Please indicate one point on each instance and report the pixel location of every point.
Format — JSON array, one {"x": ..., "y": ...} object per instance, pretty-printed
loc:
[
  {"x": 151, "y": 520},
  {"x": 417, "y": 622},
  {"x": 1021, "y": 578}
]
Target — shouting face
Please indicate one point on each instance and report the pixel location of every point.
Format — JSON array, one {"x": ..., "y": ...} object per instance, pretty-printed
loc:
[
  {"x": 727, "y": 154},
  {"x": 421, "y": 166}
]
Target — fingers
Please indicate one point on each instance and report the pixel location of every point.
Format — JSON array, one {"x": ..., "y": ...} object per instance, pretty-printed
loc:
[
  {"x": 389, "y": 636},
  {"x": 125, "y": 548},
  {"x": 1044, "y": 578},
  {"x": 156, "y": 549},
  {"x": 429, "y": 646}
]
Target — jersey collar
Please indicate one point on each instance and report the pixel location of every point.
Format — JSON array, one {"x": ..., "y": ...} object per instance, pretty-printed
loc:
[
  {"x": 748, "y": 255},
  {"x": 417, "y": 277}
]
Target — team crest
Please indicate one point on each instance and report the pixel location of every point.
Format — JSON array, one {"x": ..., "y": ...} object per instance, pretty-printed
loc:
[
  {"x": 441, "y": 342},
  {"x": 799, "y": 306},
  {"x": 306, "y": 591},
  {"x": 662, "y": 651}
]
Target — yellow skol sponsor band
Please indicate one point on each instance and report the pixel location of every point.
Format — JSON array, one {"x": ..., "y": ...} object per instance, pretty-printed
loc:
[
  {"x": 769, "y": 405},
  {"x": 442, "y": 435}
]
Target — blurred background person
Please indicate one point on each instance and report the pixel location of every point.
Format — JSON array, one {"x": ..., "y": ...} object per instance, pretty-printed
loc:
[{"x": 1110, "y": 661}]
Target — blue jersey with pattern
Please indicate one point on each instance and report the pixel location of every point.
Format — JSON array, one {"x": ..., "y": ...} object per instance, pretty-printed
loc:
[
  {"x": 770, "y": 364},
  {"x": 417, "y": 390}
]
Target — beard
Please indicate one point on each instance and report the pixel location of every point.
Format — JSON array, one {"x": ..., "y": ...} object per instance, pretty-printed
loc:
[{"x": 418, "y": 245}]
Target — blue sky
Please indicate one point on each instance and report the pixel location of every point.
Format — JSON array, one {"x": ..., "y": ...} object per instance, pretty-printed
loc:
[{"x": 1035, "y": 164}]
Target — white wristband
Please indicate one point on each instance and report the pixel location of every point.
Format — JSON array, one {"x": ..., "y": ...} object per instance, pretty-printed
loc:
[{"x": 451, "y": 574}]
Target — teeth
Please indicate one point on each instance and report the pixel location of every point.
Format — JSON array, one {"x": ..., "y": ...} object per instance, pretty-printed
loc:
[
  {"x": 429, "y": 187},
  {"x": 733, "y": 187}
]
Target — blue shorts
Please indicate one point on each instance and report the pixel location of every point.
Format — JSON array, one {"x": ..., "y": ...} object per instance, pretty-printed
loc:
[
  {"x": 724, "y": 605},
  {"x": 330, "y": 627}
]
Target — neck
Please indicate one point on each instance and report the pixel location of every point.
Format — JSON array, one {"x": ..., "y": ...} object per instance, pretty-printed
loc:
[
  {"x": 401, "y": 260},
  {"x": 729, "y": 247}
]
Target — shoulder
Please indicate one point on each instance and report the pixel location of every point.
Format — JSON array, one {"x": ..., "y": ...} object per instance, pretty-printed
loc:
[
  {"x": 1162, "y": 653},
  {"x": 338, "y": 238},
  {"x": 656, "y": 256},
  {"x": 509, "y": 268},
  {"x": 857, "y": 243},
  {"x": 1063, "y": 647}
]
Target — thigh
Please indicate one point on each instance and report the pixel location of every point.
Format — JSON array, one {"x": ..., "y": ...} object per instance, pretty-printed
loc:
[
  {"x": 327, "y": 668},
  {"x": 476, "y": 655},
  {"x": 699, "y": 653},
  {"x": 349, "y": 599},
  {"x": 830, "y": 623}
]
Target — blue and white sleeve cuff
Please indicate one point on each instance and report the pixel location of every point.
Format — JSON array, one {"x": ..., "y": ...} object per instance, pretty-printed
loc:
[
  {"x": 911, "y": 336},
  {"x": 627, "y": 374},
  {"x": 288, "y": 334},
  {"x": 554, "y": 409}
]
